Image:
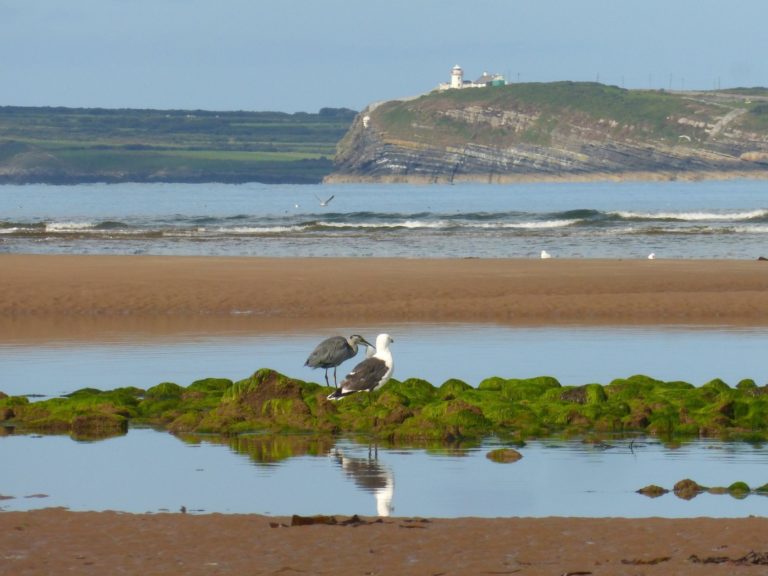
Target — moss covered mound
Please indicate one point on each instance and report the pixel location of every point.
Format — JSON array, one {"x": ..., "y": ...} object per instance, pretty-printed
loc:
[
  {"x": 688, "y": 489},
  {"x": 504, "y": 455},
  {"x": 410, "y": 409}
]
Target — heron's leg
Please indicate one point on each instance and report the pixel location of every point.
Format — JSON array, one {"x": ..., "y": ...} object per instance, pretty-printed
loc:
[
  {"x": 336, "y": 382},
  {"x": 326, "y": 378}
]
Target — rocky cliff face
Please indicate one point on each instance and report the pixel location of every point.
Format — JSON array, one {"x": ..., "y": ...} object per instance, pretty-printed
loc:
[{"x": 496, "y": 134}]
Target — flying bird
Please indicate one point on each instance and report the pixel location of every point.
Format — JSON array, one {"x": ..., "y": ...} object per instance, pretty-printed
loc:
[
  {"x": 333, "y": 351},
  {"x": 326, "y": 201},
  {"x": 371, "y": 373}
]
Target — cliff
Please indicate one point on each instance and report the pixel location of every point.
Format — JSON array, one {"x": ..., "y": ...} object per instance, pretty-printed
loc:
[{"x": 557, "y": 130}]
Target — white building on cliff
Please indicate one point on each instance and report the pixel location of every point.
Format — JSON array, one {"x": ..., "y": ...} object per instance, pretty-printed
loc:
[{"x": 457, "y": 80}]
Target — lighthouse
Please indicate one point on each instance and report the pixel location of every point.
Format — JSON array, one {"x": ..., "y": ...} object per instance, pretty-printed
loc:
[{"x": 457, "y": 77}]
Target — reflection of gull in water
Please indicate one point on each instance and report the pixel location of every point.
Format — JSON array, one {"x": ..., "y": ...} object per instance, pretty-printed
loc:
[{"x": 371, "y": 476}]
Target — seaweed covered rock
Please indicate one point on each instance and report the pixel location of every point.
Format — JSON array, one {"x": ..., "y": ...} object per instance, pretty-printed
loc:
[
  {"x": 528, "y": 388},
  {"x": 652, "y": 491},
  {"x": 688, "y": 489},
  {"x": 85, "y": 414},
  {"x": 452, "y": 388},
  {"x": 8, "y": 404},
  {"x": 504, "y": 455},
  {"x": 180, "y": 408},
  {"x": 411, "y": 409},
  {"x": 266, "y": 400},
  {"x": 739, "y": 490},
  {"x": 419, "y": 392}
]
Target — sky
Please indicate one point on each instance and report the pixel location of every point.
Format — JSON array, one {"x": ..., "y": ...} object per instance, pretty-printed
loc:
[{"x": 303, "y": 55}]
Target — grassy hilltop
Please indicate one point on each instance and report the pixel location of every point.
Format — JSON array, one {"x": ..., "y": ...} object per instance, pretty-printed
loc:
[
  {"x": 557, "y": 129},
  {"x": 559, "y": 105},
  {"x": 69, "y": 145}
]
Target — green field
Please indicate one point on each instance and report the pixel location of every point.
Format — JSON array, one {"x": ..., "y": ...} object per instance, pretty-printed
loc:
[{"x": 61, "y": 145}]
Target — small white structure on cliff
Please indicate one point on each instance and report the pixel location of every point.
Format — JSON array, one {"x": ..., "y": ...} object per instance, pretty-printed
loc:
[
  {"x": 457, "y": 80},
  {"x": 457, "y": 77}
]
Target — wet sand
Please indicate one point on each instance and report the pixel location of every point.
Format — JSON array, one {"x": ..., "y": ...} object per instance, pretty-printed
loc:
[
  {"x": 54, "y": 541},
  {"x": 82, "y": 296},
  {"x": 75, "y": 294}
]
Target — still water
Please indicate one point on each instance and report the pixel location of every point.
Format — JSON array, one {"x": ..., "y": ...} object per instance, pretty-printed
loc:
[
  {"x": 150, "y": 471},
  {"x": 573, "y": 355},
  {"x": 147, "y": 471}
]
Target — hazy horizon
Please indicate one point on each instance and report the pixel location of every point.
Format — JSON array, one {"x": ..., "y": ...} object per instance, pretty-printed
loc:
[{"x": 299, "y": 55}]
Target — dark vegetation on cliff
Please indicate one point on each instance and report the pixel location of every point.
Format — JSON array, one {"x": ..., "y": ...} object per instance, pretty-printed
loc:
[
  {"x": 558, "y": 129},
  {"x": 71, "y": 145},
  {"x": 407, "y": 411}
]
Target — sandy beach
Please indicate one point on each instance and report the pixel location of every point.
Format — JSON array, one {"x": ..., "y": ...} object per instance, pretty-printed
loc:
[
  {"x": 79, "y": 296},
  {"x": 55, "y": 541},
  {"x": 72, "y": 292}
]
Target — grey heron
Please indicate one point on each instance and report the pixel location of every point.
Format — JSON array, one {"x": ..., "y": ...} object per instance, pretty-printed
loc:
[
  {"x": 333, "y": 351},
  {"x": 371, "y": 373}
]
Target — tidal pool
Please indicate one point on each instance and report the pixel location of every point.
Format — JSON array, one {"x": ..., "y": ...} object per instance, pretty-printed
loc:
[{"x": 149, "y": 471}]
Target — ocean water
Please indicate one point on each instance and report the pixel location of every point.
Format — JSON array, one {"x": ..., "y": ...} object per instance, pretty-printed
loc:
[{"x": 708, "y": 219}]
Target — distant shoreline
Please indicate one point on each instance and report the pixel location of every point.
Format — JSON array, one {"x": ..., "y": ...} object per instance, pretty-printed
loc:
[
  {"x": 564, "y": 178},
  {"x": 337, "y": 178}
]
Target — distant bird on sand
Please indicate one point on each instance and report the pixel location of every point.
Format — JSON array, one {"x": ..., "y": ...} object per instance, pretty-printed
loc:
[
  {"x": 545, "y": 255},
  {"x": 326, "y": 201},
  {"x": 333, "y": 351},
  {"x": 652, "y": 256},
  {"x": 371, "y": 373}
]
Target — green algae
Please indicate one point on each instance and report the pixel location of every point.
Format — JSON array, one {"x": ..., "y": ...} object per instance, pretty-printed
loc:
[
  {"x": 739, "y": 489},
  {"x": 762, "y": 489},
  {"x": 85, "y": 414},
  {"x": 411, "y": 409}
]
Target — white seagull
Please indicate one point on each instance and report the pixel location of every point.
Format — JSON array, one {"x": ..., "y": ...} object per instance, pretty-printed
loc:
[
  {"x": 545, "y": 255},
  {"x": 371, "y": 373},
  {"x": 652, "y": 256},
  {"x": 326, "y": 201}
]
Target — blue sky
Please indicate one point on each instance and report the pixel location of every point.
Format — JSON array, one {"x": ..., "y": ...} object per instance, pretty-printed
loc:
[{"x": 301, "y": 55}]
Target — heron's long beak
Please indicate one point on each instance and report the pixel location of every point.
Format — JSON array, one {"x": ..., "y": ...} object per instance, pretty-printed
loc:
[{"x": 364, "y": 341}]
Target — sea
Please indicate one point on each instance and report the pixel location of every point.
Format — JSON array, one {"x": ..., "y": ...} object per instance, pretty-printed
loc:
[
  {"x": 675, "y": 219},
  {"x": 152, "y": 471}
]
